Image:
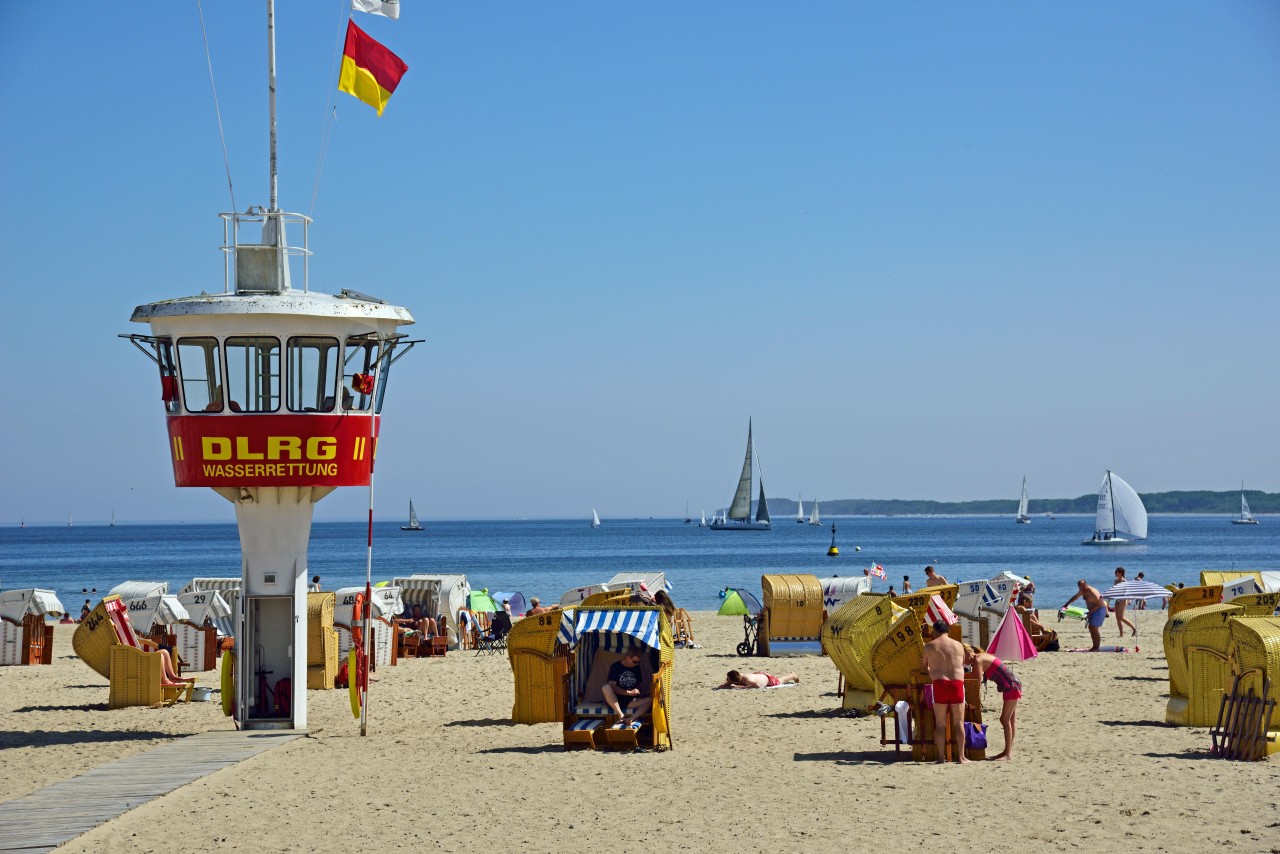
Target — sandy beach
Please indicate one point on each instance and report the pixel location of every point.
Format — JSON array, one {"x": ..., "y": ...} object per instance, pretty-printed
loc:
[{"x": 1095, "y": 768}]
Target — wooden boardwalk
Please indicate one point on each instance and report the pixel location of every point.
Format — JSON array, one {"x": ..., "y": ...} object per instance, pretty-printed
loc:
[{"x": 56, "y": 814}]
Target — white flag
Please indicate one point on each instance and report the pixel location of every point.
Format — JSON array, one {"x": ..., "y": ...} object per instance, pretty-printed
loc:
[{"x": 385, "y": 8}]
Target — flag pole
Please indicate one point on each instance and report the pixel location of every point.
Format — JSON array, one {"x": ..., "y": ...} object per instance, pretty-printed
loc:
[
  {"x": 368, "y": 565},
  {"x": 271, "y": 93}
]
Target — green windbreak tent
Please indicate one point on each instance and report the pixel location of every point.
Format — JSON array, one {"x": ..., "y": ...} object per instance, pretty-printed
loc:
[{"x": 738, "y": 601}]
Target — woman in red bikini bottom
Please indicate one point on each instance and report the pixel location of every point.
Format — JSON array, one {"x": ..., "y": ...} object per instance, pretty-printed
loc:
[
  {"x": 759, "y": 679},
  {"x": 987, "y": 666}
]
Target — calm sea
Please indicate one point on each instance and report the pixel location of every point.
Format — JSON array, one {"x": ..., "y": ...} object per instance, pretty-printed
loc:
[{"x": 546, "y": 558}]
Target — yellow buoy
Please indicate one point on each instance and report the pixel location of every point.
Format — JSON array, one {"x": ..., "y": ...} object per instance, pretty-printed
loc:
[{"x": 833, "y": 551}]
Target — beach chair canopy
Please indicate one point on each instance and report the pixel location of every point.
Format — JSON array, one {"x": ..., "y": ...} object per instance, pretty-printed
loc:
[
  {"x": 150, "y": 604},
  {"x": 836, "y": 591},
  {"x": 437, "y": 594},
  {"x": 388, "y": 603},
  {"x": 651, "y": 582},
  {"x": 210, "y": 605},
  {"x": 616, "y": 629},
  {"x": 739, "y": 601},
  {"x": 16, "y": 604},
  {"x": 1240, "y": 587},
  {"x": 1270, "y": 582},
  {"x": 979, "y": 595},
  {"x": 228, "y": 588}
]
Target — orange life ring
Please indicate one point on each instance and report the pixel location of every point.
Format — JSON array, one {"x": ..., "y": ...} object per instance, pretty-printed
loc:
[{"x": 357, "y": 621}]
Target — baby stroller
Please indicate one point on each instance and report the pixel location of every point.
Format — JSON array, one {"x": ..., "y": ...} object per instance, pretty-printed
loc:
[{"x": 751, "y": 630}]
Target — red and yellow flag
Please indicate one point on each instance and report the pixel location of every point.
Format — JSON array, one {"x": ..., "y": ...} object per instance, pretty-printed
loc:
[{"x": 369, "y": 70}]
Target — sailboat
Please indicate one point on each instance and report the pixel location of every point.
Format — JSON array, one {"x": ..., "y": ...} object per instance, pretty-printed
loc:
[
  {"x": 739, "y": 516},
  {"x": 68, "y": 520},
  {"x": 1121, "y": 517},
  {"x": 595, "y": 518},
  {"x": 1023, "y": 518},
  {"x": 113, "y": 518},
  {"x": 800, "y": 511},
  {"x": 688, "y": 520},
  {"x": 413, "y": 520},
  {"x": 1246, "y": 518},
  {"x": 703, "y": 523},
  {"x": 814, "y": 518}
]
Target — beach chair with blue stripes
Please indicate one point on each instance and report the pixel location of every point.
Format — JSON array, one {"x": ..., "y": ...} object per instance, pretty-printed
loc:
[{"x": 599, "y": 636}]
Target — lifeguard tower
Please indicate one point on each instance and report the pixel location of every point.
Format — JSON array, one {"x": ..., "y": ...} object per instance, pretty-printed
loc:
[{"x": 272, "y": 398}]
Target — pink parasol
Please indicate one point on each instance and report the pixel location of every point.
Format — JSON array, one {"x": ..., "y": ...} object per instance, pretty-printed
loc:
[{"x": 1011, "y": 641}]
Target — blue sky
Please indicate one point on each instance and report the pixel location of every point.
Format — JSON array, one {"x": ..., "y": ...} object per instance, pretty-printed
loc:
[{"x": 930, "y": 248}]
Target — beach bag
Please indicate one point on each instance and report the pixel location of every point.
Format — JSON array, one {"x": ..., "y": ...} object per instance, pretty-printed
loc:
[
  {"x": 926, "y": 697},
  {"x": 340, "y": 680},
  {"x": 975, "y": 736}
]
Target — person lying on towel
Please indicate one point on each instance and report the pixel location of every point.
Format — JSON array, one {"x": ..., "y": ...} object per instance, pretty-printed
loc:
[{"x": 759, "y": 679}]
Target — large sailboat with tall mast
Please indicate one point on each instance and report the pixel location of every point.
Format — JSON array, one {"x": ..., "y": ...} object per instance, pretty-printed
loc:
[
  {"x": 739, "y": 516},
  {"x": 1121, "y": 517}
]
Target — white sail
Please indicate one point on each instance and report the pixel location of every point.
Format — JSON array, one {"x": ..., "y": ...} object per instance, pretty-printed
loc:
[
  {"x": 814, "y": 518},
  {"x": 1105, "y": 523},
  {"x": 740, "y": 509},
  {"x": 413, "y": 520},
  {"x": 1244, "y": 507},
  {"x": 1129, "y": 513},
  {"x": 595, "y": 518},
  {"x": 703, "y": 523},
  {"x": 800, "y": 509},
  {"x": 1022, "y": 504}
]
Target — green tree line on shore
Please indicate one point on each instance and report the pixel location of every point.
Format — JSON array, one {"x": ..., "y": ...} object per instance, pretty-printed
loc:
[{"x": 1186, "y": 501}]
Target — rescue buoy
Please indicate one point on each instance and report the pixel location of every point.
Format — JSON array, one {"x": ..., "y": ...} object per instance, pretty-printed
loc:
[
  {"x": 357, "y": 621},
  {"x": 228, "y": 683}
]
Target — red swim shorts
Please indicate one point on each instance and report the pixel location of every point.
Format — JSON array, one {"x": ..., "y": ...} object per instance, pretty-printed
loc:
[{"x": 947, "y": 692}]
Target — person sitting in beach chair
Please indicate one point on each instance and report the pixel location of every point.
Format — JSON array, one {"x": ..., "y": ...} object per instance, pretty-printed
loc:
[{"x": 626, "y": 692}]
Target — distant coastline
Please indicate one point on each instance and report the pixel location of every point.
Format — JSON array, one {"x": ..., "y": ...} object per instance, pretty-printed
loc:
[{"x": 1195, "y": 501}]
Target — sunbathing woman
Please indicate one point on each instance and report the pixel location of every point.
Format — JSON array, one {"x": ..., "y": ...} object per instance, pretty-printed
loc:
[
  {"x": 759, "y": 679},
  {"x": 987, "y": 666}
]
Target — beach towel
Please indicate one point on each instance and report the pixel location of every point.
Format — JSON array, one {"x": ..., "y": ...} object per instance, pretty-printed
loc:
[{"x": 1103, "y": 649}]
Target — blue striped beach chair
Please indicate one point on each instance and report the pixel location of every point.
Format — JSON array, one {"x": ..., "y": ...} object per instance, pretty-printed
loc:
[{"x": 599, "y": 636}]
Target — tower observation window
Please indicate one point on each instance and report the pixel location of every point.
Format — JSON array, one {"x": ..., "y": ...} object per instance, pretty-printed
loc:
[
  {"x": 201, "y": 371},
  {"x": 253, "y": 373},
  {"x": 367, "y": 359},
  {"x": 313, "y": 373}
]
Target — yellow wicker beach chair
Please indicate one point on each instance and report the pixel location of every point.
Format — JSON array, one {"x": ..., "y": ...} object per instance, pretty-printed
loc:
[
  {"x": 793, "y": 615},
  {"x": 1255, "y": 658},
  {"x": 848, "y": 637},
  {"x": 1206, "y": 629},
  {"x": 1258, "y": 604},
  {"x": 920, "y": 600},
  {"x": 322, "y": 641},
  {"x": 599, "y": 636},
  {"x": 538, "y": 670},
  {"x": 1194, "y": 597},
  {"x": 106, "y": 641},
  {"x": 1219, "y": 577},
  {"x": 682, "y": 628},
  {"x": 923, "y": 748}
]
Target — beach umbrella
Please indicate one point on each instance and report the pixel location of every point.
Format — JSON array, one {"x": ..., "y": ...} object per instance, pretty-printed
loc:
[
  {"x": 739, "y": 602},
  {"x": 1011, "y": 641},
  {"x": 480, "y": 600},
  {"x": 1135, "y": 589}
]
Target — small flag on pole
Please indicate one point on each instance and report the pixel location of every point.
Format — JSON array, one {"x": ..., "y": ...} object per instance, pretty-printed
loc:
[
  {"x": 938, "y": 610},
  {"x": 878, "y": 571},
  {"x": 369, "y": 70},
  {"x": 385, "y": 8}
]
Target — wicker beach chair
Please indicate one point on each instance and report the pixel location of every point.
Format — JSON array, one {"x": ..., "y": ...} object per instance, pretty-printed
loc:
[
  {"x": 598, "y": 637},
  {"x": 1220, "y": 577},
  {"x": 322, "y": 641},
  {"x": 25, "y": 635},
  {"x": 1255, "y": 655},
  {"x": 1194, "y": 597},
  {"x": 682, "y": 628},
  {"x": 848, "y": 637},
  {"x": 1043, "y": 637},
  {"x": 920, "y": 600},
  {"x": 793, "y": 615},
  {"x": 539, "y": 665},
  {"x": 1206, "y": 629},
  {"x": 1258, "y": 604},
  {"x": 133, "y": 665}
]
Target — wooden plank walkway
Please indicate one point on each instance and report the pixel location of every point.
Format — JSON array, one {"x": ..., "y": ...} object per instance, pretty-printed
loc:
[{"x": 49, "y": 817}]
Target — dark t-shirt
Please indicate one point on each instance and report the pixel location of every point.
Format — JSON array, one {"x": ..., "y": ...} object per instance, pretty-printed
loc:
[{"x": 625, "y": 677}]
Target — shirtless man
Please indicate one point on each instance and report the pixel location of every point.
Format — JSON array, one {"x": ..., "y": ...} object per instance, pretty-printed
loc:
[
  {"x": 944, "y": 661},
  {"x": 1097, "y": 610},
  {"x": 933, "y": 579},
  {"x": 759, "y": 679}
]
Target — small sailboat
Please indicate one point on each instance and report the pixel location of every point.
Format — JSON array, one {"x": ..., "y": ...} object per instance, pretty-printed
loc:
[
  {"x": 413, "y": 520},
  {"x": 113, "y": 518},
  {"x": 68, "y": 520},
  {"x": 595, "y": 518},
  {"x": 688, "y": 520},
  {"x": 800, "y": 511},
  {"x": 814, "y": 517},
  {"x": 739, "y": 516},
  {"x": 1121, "y": 516},
  {"x": 703, "y": 523},
  {"x": 1023, "y": 518},
  {"x": 1246, "y": 518}
]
